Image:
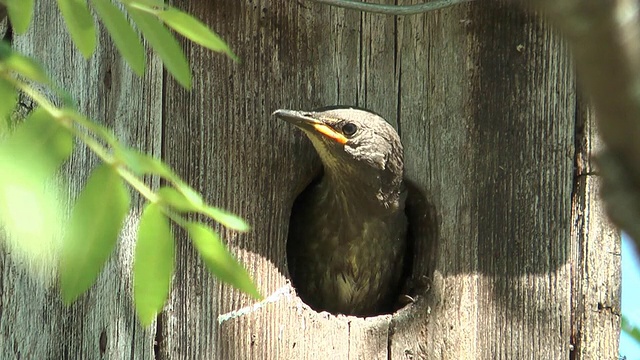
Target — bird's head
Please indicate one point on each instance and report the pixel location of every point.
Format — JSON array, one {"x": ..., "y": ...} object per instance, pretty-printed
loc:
[{"x": 355, "y": 145}]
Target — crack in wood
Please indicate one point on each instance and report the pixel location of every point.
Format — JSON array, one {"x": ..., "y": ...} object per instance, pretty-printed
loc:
[
  {"x": 390, "y": 331},
  {"x": 158, "y": 338},
  {"x": 349, "y": 339}
]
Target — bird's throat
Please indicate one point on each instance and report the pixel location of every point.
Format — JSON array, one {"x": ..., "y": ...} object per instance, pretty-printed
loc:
[{"x": 360, "y": 196}]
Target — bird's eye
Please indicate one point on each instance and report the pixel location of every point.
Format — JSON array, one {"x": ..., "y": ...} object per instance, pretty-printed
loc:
[{"x": 349, "y": 129}]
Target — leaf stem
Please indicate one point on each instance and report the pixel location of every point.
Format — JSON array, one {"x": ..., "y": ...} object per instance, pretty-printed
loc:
[
  {"x": 103, "y": 153},
  {"x": 89, "y": 133}
]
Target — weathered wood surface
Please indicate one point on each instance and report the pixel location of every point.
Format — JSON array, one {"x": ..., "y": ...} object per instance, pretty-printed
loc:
[
  {"x": 34, "y": 323},
  {"x": 525, "y": 266},
  {"x": 595, "y": 297},
  {"x": 3, "y": 25}
]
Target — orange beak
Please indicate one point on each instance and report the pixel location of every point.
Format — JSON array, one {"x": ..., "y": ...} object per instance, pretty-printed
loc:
[{"x": 306, "y": 122}]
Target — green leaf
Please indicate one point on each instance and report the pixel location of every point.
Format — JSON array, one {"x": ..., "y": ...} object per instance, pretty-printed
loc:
[
  {"x": 102, "y": 131},
  {"x": 147, "y": 3},
  {"x": 29, "y": 199},
  {"x": 9, "y": 97},
  {"x": 164, "y": 43},
  {"x": 22, "y": 65},
  {"x": 219, "y": 260},
  {"x": 630, "y": 329},
  {"x": 194, "y": 30},
  {"x": 142, "y": 164},
  {"x": 154, "y": 263},
  {"x": 180, "y": 202},
  {"x": 20, "y": 14},
  {"x": 28, "y": 68},
  {"x": 176, "y": 199},
  {"x": 40, "y": 143},
  {"x": 123, "y": 35},
  {"x": 80, "y": 24},
  {"x": 93, "y": 231},
  {"x": 193, "y": 196},
  {"x": 5, "y": 51},
  {"x": 227, "y": 219},
  {"x": 68, "y": 101},
  {"x": 30, "y": 217}
]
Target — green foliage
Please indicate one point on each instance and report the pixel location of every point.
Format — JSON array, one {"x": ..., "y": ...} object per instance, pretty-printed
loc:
[
  {"x": 217, "y": 259},
  {"x": 9, "y": 97},
  {"x": 194, "y": 30},
  {"x": 80, "y": 24},
  {"x": 92, "y": 232},
  {"x": 31, "y": 207},
  {"x": 29, "y": 210},
  {"x": 20, "y": 64},
  {"x": 188, "y": 200},
  {"x": 20, "y": 13},
  {"x": 40, "y": 142},
  {"x": 164, "y": 44},
  {"x": 631, "y": 330},
  {"x": 154, "y": 263},
  {"x": 143, "y": 164},
  {"x": 123, "y": 35},
  {"x": 229, "y": 220},
  {"x": 149, "y": 16}
]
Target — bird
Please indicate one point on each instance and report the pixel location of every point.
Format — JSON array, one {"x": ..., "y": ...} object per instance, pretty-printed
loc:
[{"x": 347, "y": 230}]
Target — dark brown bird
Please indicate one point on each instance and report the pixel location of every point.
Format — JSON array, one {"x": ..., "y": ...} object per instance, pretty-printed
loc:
[{"x": 347, "y": 233}]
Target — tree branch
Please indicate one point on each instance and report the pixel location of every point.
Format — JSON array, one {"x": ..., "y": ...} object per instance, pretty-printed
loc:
[{"x": 605, "y": 39}]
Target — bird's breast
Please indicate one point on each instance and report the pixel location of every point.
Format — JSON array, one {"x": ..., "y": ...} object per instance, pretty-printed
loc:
[{"x": 347, "y": 257}]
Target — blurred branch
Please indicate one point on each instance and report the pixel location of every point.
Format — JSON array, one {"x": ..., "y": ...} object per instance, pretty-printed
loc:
[
  {"x": 391, "y": 9},
  {"x": 3, "y": 12},
  {"x": 605, "y": 39}
]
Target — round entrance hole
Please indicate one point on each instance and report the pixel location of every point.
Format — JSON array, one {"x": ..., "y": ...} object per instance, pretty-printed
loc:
[{"x": 414, "y": 273}]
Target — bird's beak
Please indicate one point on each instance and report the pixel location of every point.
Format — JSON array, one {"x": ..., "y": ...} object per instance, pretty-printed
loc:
[{"x": 307, "y": 122}]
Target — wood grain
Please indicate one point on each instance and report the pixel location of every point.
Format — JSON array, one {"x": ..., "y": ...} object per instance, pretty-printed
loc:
[
  {"x": 508, "y": 239},
  {"x": 34, "y": 323},
  {"x": 596, "y": 276}
]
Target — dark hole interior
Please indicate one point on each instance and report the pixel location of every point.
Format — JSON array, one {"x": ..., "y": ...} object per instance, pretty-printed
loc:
[{"x": 418, "y": 260}]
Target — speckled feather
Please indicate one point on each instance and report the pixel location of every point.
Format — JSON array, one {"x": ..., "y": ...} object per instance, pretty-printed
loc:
[{"x": 347, "y": 232}]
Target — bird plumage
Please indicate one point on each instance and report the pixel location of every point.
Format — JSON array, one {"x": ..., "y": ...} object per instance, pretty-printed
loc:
[{"x": 347, "y": 232}]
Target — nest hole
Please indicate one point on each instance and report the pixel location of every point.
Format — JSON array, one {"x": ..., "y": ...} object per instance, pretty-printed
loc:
[{"x": 419, "y": 259}]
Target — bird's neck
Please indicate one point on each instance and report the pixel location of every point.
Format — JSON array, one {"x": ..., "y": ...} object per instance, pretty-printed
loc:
[{"x": 374, "y": 194}]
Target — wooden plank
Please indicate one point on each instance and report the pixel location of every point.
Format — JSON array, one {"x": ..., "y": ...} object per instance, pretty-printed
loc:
[
  {"x": 484, "y": 100},
  {"x": 511, "y": 296},
  {"x": 435, "y": 123},
  {"x": 34, "y": 323},
  {"x": 474, "y": 102},
  {"x": 491, "y": 109},
  {"x": 595, "y": 251},
  {"x": 369, "y": 338},
  {"x": 525, "y": 239},
  {"x": 234, "y": 149}
]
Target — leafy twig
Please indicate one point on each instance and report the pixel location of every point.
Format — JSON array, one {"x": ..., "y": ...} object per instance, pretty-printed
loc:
[{"x": 97, "y": 216}]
